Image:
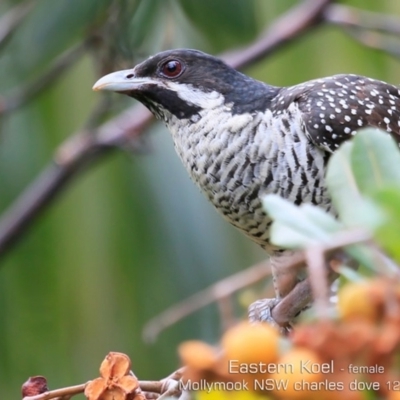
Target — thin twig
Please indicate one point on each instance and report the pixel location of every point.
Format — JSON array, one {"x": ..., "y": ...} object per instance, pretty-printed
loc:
[
  {"x": 151, "y": 386},
  {"x": 63, "y": 392},
  {"x": 220, "y": 290},
  {"x": 12, "y": 19},
  {"x": 24, "y": 94},
  {"x": 375, "y": 30},
  {"x": 286, "y": 309},
  {"x": 290, "y": 26},
  {"x": 317, "y": 272},
  {"x": 177, "y": 375},
  {"x": 290, "y": 306},
  {"x": 77, "y": 152},
  {"x": 377, "y": 41},
  {"x": 170, "y": 389},
  {"x": 351, "y": 17},
  {"x": 226, "y": 312}
]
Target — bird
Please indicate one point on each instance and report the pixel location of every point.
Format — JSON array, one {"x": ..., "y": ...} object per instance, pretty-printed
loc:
[{"x": 240, "y": 138}]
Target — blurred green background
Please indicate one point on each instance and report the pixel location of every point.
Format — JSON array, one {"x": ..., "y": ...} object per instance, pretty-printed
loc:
[{"x": 131, "y": 235}]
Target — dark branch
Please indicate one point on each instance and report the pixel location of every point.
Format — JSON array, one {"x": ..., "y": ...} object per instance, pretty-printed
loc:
[
  {"x": 24, "y": 94},
  {"x": 374, "y": 30},
  {"x": 294, "y": 23},
  {"x": 221, "y": 290},
  {"x": 78, "y": 152},
  {"x": 350, "y": 17},
  {"x": 12, "y": 19}
]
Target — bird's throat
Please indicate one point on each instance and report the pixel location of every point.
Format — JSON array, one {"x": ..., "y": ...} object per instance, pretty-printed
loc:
[{"x": 163, "y": 101}]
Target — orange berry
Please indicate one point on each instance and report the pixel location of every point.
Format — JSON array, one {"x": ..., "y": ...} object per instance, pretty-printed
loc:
[
  {"x": 301, "y": 371},
  {"x": 251, "y": 343},
  {"x": 355, "y": 301},
  {"x": 393, "y": 395},
  {"x": 197, "y": 354}
]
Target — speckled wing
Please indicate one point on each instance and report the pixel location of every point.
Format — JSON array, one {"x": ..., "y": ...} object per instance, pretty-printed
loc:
[{"x": 335, "y": 108}]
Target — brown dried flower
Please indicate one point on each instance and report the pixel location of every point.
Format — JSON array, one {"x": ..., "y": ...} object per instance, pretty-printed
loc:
[{"x": 115, "y": 382}]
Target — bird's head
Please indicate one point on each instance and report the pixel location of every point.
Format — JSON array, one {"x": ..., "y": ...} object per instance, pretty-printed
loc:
[{"x": 182, "y": 83}]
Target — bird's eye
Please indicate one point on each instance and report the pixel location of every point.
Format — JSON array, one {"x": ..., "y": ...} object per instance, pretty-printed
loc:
[{"x": 172, "y": 68}]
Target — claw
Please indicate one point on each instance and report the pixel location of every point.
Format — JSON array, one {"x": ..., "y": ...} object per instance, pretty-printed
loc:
[{"x": 260, "y": 311}]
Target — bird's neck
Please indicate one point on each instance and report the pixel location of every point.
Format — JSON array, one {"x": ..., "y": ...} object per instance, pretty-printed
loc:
[{"x": 247, "y": 95}]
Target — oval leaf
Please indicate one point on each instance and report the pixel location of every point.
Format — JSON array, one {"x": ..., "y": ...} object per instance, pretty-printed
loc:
[{"x": 375, "y": 158}]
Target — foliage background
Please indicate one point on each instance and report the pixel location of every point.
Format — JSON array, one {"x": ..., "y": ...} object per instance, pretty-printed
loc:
[{"x": 132, "y": 235}]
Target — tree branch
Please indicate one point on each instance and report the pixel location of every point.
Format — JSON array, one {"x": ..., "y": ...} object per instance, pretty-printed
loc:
[
  {"x": 22, "y": 95},
  {"x": 375, "y": 30},
  {"x": 290, "y": 26},
  {"x": 351, "y": 17},
  {"x": 12, "y": 19},
  {"x": 58, "y": 393},
  {"x": 216, "y": 292},
  {"x": 79, "y": 151}
]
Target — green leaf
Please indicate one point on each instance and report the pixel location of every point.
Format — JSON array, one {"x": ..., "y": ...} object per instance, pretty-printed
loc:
[
  {"x": 289, "y": 238},
  {"x": 342, "y": 185},
  {"x": 374, "y": 158},
  {"x": 344, "y": 178},
  {"x": 298, "y": 227},
  {"x": 388, "y": 233},
  {"x": 321, "y": 218}
]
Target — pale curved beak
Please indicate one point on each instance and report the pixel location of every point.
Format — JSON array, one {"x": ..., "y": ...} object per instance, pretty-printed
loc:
[{"x": 120, "y": 81}]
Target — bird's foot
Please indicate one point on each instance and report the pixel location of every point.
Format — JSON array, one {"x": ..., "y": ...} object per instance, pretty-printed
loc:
[{"x": 261, "y": 311}]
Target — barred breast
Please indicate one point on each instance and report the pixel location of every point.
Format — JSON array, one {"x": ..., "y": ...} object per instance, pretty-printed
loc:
[{"x": 235, "y": 159}]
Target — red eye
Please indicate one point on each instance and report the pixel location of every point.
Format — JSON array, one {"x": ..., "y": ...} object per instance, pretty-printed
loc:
[{"x": 172, "y": 69}]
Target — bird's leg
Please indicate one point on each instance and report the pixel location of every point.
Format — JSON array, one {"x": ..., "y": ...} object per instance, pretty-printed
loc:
[
  {"x": 285, "y": 276},
  {"x": 287, "y": 287},
  {"x": 281, "y": 312},
  {"x": 301, "y": 295},
  {"x": 289, "y": 307},
  {"x": 293, "y": 292}
]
